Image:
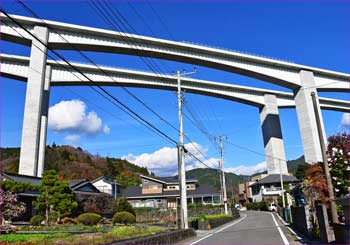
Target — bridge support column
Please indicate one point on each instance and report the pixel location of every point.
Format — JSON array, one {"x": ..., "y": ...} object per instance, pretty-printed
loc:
[
  {"x": 44, "y": 119},
  {"x": 306, "y": 118},
  {"x": 272, "y": 134},
  {"x": 28, "y": 164}
]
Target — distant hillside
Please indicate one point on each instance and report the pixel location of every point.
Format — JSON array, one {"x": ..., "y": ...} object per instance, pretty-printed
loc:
[
  {"x": 297, "y": 167},
  {"x": 74, "y": 163},
  {"x": 211, "y": 176}
]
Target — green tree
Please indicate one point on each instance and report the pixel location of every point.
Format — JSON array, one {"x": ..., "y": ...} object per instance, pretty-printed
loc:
[
  {"x": 55, "y": 196},
  {"x": 14, "y": 186},
  {"x": 339, "y": 165},
  {"x": 301, "y": 170},
  {"x": 122, "y": 204}
]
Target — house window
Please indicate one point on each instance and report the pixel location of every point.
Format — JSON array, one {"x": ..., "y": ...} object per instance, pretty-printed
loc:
[
  {"x": 145, "y": 181},
  {"x": 171, "y": 187},
  {"x": 159, "y": 200}
]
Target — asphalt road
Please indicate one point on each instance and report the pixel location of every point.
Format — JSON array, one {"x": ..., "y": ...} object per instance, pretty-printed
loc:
[{"x": 253, "y": 227}]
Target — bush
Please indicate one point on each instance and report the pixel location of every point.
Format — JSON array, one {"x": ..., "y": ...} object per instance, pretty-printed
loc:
[
  {"x": 262, "y": 206},
  {"x": 89, "y": 218},
  {"x": 124, "y": 217},
  {"x": 53, "y": 217},
  {"x": 122, "y": 205},
  {"x": 36, "y": 220},
  {"x": 68, "y": 220}
]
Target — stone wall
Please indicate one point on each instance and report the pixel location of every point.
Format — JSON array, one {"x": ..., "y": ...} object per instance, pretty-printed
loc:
[
  {"x": 168, "y": 216},
  {"x": 169, "y": 237}
]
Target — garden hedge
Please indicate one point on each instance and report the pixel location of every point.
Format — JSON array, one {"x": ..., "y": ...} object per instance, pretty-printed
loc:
[
  {"x": 124, "y": 218},
  {"x": 36, "y": 220},
  {"x": 89, "y": 218}
]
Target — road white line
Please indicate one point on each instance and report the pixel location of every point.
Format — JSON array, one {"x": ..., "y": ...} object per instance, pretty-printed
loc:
[
  {"x": 209, "y": 235},
  {"x": 285, "y": 240},
  {"x": 201, "y": 239}
]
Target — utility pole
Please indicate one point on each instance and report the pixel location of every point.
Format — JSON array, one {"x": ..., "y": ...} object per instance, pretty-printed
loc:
[
  {"x": 181, "y": 156},
  {"x": 282, "y": 190},
  {"x": 221, "y": 138},
  {"x": 325, "y": 161},
  {"x": 221, "y": 187}
]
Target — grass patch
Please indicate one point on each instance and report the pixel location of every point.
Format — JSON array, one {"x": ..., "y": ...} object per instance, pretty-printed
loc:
[
  {"x": 30, "y": 238},
  {"x": 208, "y": 217},
  {"x": 117, "y": 233}
]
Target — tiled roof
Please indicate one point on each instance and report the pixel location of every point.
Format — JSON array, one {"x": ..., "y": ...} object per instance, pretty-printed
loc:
[
  {"x": 275, "y": 178},
  {"x": 73, "y": 184},
  {"x": 136, "y": 191}
]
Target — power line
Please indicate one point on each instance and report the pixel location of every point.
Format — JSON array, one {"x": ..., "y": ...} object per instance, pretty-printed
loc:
[
  {"x": 160, "y": 20},
  {"x": 161, "y": 74},
  {"x": 136, "y": 98},
  {"x": 103, "y": 91}
]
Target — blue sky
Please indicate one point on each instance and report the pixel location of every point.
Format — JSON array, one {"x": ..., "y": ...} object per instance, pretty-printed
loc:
[{"x": 311, "y": 33}]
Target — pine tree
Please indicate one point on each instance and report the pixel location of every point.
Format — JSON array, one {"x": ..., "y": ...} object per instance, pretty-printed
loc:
[{"x": 55, "y": 196}]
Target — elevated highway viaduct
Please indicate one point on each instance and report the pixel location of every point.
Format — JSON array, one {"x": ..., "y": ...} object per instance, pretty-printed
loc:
[
  {"x": 43, "y": 34},
  {"x": 267, "y": 101}
]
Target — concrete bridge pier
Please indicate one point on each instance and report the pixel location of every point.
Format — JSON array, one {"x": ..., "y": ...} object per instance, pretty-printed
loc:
[
  {"x": 44, "y": 120},
  {"x": 28, "y": 164},
  {"x": 272, "y": 134},
  {"x": 307, "y": 119}
]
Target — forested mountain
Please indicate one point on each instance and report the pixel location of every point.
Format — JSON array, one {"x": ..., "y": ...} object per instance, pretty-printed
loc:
[
  {"x": 211, "y": 176},
  {"x": 74, "y": 163}
]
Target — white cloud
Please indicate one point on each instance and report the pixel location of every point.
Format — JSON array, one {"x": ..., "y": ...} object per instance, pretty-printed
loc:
[
  {"x": 164, "y": 161},
  {"x": 71, "y": 116},
  {"x": 345, "y": 121},
  {"x": 247, "y": 170}
]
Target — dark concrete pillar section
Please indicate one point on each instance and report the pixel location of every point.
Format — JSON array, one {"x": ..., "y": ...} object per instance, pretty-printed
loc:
[{"x": 272, "y": 134}]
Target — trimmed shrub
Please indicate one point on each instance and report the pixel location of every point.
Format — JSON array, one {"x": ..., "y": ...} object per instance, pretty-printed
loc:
[
  {"x": 53, "y": 217},
  {"x": 264, "y": 206},
  {"x": 68, "y": 220},
  {"x": 124, "y": 218},
  {"x": 89, "y": 218},
  {"x": 122, "y": 205},
  {"x": 36, "y": 220}
]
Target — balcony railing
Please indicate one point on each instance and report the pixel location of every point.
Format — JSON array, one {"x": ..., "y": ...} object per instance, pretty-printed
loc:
[{"x": 273, "y": 189}]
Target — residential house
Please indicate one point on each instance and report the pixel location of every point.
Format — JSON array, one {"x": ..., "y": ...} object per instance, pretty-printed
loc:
[
  {"x": 79, "y": 187},
  {"x": 27, "y": 196},
  {"x": 107, "y": 185},
  {"x": 269, "y": 188},
  {"x": 163, "y": 192},
  {"x": 245, "y": 194}
]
